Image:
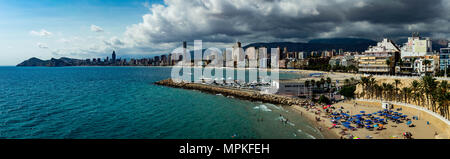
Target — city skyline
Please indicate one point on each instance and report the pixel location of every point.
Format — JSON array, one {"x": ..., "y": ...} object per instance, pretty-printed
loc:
[{"x": 87, "y": 29}]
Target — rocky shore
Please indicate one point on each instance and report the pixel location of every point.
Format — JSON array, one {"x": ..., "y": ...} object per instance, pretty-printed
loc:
[{"x": 238, "y": 93}]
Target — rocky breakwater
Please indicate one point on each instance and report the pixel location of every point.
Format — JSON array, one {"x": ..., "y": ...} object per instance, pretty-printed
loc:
[{"x": 238, "y": 93}]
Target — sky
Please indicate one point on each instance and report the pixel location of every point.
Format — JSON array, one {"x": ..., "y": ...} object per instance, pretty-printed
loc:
[{"x": 93, "y": 28}]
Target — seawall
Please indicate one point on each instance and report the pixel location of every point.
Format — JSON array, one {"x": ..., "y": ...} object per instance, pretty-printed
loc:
[{"x": 239, "y": 93}]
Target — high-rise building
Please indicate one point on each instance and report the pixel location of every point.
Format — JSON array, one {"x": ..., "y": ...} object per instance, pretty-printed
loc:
[
  {"x": 379, "y": 59},
  {"x": 113, "y": 57},
  {"x": 416, "y": 46},
  {"x": 444, "y": 58},
  {"x": 238, "y": 55},
  {"x": 414, "y": 53}
]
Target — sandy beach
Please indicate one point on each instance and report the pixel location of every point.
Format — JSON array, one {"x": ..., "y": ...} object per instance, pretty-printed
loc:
[{"x": 392, "y": 130}]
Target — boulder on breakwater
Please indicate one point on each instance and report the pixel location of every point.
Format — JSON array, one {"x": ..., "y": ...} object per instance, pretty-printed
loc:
[{"x": 239, "y": 93}]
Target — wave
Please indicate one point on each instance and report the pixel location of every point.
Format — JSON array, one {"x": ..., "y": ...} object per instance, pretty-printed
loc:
[
  {"x": 310, "y": 136},
  {"x": 263, "y": 107}
]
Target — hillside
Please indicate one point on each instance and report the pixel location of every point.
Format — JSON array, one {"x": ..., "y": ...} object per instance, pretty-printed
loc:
[{"x": 50, "y": 63}]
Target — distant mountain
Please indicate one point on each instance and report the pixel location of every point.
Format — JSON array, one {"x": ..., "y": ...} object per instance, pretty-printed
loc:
[
  {"x": 64, "y": 61},
  {"x": 343, "y": 41},
  {"x": 440, "y": 43},
  {"x": 347, "y": 44}
]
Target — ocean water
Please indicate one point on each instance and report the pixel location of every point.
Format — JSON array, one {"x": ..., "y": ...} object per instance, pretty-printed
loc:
[{"x": 123, "y": 103}]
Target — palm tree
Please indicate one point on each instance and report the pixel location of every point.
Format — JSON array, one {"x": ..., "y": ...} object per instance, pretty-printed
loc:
[
  {"x": 307, "y": 85},
  {"x": 372, "y": 82},
  {"x": 390, "y": 90},
  {"x": 415, "y": 88},
  {"x": 319, "y": 84},
  {"x": 406, "y": 91},
  {"x": 346, "y": 82},
  {"x": 329, "y": 83},
  {"x": 384, "y": 87},
  {"x": 364, "y": 84},
  {"x": 397, "y": 82},
  {"x": 322, "y": 82},
  {"x": 442, "y": 98},
  {"x": 428, "y": 86},
  {"x": 352, "y": 80},
  {"x": 378, "y": 91}
]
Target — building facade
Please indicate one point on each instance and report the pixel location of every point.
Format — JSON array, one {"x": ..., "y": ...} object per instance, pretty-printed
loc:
[
  {"x": 416, "y": 47},
  {"x": 379, "y": 59},
  {"x": 444, "y": 58}
]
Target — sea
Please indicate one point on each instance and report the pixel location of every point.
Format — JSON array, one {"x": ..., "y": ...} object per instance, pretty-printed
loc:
[{"x": 123, "y": 103}]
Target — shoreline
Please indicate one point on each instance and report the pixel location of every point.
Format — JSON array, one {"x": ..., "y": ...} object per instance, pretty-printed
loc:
[
  {"x": 310, "y": 117},
  {"x": 291, "y": 103},
  {"x": 303, "y": 108}
]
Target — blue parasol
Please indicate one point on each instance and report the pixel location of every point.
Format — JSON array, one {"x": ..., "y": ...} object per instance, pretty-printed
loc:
[{"x": 409, "y": 123}]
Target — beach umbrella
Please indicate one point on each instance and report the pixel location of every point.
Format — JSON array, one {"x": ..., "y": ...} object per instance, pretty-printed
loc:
[
  {"x": 375, "y": 126},
  {"x": 409, "y": 123},
  {"x": 362, "y": 112}
]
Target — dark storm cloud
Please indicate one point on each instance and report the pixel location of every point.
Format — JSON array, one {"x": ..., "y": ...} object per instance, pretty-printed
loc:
[
  {"x": 225, "y": 21},
  {"x": 398, "y": 11}
]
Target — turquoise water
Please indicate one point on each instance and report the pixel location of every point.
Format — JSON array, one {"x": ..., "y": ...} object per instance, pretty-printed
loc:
[{"x": 122, "y": 103}]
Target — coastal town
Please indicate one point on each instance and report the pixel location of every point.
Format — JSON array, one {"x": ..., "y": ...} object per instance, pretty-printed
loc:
[
  {"x": 416, "y": 57},
  {"x": 393, "y": 83},
  {"x": 389, "y": 92}
]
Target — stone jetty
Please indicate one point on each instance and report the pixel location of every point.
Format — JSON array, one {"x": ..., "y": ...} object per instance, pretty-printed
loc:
[{"x": 238, "y": 93}]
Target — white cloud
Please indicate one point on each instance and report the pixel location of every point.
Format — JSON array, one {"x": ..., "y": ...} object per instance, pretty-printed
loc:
[
  {"x": 114, "y": 42},
  {"x": 42, "y": 45},
  {"x": 221, "y": 22},
  {"x": 42, "y": 33},
  {"x": 96, "y": 28}
]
